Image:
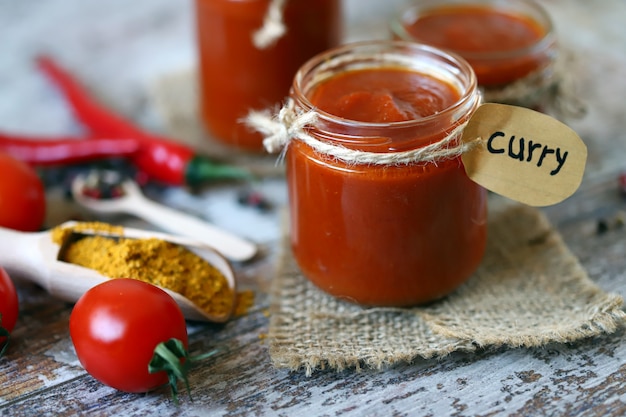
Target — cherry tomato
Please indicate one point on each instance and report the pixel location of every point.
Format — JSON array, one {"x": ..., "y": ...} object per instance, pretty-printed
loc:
[
  {"x": 22, "y": 196},
  {"x": 9, "y": 306},
  {"x": 117, "y": 325}
]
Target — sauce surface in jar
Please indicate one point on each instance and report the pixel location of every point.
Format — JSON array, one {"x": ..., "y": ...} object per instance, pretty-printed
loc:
[
  {"x": 386, "y": 235},
  {"x": 383, "y": 95},
  {"x": 502, "y": 45},
  {"x": 236, "y": 76}
]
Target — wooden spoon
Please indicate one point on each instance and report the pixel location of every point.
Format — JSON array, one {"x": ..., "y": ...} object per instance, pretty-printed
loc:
[{"x": 35, "y": 257}]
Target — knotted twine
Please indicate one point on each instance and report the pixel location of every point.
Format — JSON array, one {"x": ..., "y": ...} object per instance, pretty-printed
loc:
[
  {"x": 291, "y": 123},
  {"x": 273, "y": 26}
]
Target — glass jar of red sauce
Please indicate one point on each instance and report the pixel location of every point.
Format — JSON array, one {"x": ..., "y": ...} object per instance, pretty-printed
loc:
[
  {"x": 511, "y": 44},
  {"x": 372, "y": 221},
  {"x": 236, "y": 76}
]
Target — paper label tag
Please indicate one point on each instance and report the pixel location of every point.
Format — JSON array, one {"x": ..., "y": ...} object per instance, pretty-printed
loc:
[{"x": 524, "y": 155}]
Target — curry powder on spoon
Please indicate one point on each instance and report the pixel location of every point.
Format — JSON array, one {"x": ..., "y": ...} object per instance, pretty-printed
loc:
[{"x": 152, "y": 260}]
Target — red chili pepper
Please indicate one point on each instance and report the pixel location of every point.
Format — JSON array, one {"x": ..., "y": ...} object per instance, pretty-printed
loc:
[
  {"x": 175, "y": 163},
  {"x": 160, "y": 158},
  {"x": 52, "y": 151}
]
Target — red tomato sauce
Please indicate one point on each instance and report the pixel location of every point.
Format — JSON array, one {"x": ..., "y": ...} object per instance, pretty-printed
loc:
[
  {"x": 236, "y": 77},
  {"x": 394, "y": 235},
  {"x": 383, "y": 95},
  {"x": 497, "y": 43}
]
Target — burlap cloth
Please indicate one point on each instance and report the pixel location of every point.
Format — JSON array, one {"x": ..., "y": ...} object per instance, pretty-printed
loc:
[{"x": 529, "y": 291}]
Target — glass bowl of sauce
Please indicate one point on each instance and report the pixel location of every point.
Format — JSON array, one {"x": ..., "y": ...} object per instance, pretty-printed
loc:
[{"x": 511, "y": 45}]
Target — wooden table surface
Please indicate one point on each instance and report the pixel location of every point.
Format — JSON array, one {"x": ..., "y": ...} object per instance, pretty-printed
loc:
[{"x": 121, "y": 49}]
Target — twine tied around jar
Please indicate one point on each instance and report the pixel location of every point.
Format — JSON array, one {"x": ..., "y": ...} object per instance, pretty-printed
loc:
[
  {"x": 292, "y": 124},
  {"x": 273, "y": 25}
]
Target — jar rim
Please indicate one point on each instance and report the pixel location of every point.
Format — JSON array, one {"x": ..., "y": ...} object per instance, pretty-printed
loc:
[
  {"x": 541, "y": 16},
  {"x": 399, "y": 47}
]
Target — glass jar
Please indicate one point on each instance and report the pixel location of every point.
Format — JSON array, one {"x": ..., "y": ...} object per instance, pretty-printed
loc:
[
  {"x": 370, "y": 221},
  {"x": 511, "y": 45},
  {"x": 236, "y": 76}
]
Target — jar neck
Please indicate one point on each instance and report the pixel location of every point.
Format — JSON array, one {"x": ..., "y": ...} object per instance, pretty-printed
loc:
[{"x": 395, "y": 137}]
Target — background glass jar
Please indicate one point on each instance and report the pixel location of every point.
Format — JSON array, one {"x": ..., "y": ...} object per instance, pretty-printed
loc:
[
  {"x": 511, "y": 45},
  {"x": 236, "y": 76},
  {"x": 387, "y": 234}
]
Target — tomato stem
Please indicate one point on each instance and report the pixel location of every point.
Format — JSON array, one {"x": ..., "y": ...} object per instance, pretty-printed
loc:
[
  {"x": 4, "y": 338},
  {"x": 172, "y": 357},
  {"x": 167, "y": 358}
]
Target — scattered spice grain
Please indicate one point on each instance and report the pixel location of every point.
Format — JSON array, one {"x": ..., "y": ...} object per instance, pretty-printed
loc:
[{"x": 245, "y": 301}]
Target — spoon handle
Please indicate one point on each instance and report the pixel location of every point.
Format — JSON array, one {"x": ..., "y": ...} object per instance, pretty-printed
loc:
[
  {"x": 231, "y": 246},
  {"x": 20, "y": 255}
]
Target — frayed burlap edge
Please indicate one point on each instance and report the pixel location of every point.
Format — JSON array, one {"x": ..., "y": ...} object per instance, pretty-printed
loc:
[{"x": 529, "y": 291}]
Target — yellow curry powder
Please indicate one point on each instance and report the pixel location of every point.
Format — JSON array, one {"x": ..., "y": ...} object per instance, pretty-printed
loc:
[{"x": 156, "y": 261}]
